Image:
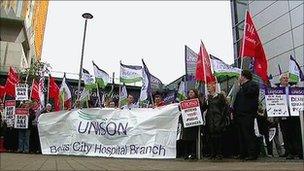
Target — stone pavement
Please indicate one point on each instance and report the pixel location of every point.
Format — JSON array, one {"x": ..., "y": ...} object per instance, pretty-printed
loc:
[{"x": 11, "y": 161}]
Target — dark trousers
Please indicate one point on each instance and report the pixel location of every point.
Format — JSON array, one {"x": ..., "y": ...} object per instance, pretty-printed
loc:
[
  {"x": 34, "y": 140},
  {"x": 291, "y": 132},
  {"x": 246, "y": 136},
  {"x": 190, "y": 147},
  {"x": 216, "y": 145},
  {"x": 11, "y": 139}
]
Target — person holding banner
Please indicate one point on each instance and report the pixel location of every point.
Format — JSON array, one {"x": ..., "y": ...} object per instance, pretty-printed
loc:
[
  {"x": 158, "y": 101},
  {"x": 290, "y": 127},
  {"x": 217, "y": 119},
  {"x": 130, "y": 105},
  {"x": 245, "y": 110},
  {"x": 189, "y": 135},
  {"x": 24, "y": 133}
]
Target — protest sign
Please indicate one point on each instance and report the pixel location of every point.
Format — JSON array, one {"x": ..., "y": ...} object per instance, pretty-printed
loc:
[
  {"x": 108, "y": 132},
  {"x": 276, "y": 102},
  {"x": 21, "y": 92},
  {"x": 21, "y": 118},
  {"x": 191, "y": 113},
  {"x": 296, "y": 100},
  {"x": 9, "y": 112}
]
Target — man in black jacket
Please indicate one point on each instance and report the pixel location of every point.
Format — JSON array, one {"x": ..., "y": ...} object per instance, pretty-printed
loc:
[{"x": 245, "y": 110}]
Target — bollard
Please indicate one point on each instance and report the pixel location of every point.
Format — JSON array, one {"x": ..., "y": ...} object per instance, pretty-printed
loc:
[{"x": 302, "y": 130}]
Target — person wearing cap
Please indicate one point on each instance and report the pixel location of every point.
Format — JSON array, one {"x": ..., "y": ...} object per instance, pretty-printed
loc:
[
  {"x": 48, "y": 108},
  {"x": 245, "y": 110}
]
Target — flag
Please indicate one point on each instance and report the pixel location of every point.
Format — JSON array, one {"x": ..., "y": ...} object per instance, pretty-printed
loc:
[
  {"x": 146, "y": 85},
  {"x": 2, "y": 91},
  {"x": 190, "y": 64},
  {"x": 102, "y": 78},
  {"x": 11, "y": 81},
  {"x": 123, "y": 96},
  {"x": 65, "y": 94},
  {"x": 252, "y": 47},
  {"x": 203, "y": 66},
  {"x": 130, "y": 73},
  {"x": 155, "y": 82},
  {"x": 295, "y": 72},
  {"x": 222, "y": 71},
  {"x": 280, "y": 70},
  {"x": 181, "y": 94},
  {"x": 84, "y": 96},
  {"x": 54, "y": 93},
  {"x": 35, "y": 91},
  {"x": 88, "y": 80}
]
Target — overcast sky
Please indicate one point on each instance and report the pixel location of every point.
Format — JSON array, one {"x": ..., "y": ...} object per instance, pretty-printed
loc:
[{"x": 129, "y": 31}]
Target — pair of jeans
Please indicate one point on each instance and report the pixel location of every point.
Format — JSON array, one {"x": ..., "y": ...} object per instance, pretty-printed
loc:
[{"x": 23, "y": 139}]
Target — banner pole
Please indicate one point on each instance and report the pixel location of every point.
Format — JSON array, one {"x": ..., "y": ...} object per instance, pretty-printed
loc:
[
  {"x": 302, "y": 130},
  {"x": 199, "y": 142},
  {"x": 98, "y": 95},
  {"x": 48, "y": 92}
]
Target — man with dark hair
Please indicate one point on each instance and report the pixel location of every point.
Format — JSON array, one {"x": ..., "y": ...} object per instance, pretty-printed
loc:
[
  {"x": 158, "y": 100},
  {"x": 130, "y": 105},
  {"x": 245, "y": 110}
]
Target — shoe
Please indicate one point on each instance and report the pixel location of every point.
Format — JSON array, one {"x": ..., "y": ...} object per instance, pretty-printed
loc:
[
  {"x": 290, "y": 157},
  {"x": 239, "y": 157},
  {"x": 219, "y": 157},
  {"x": 250, "y": 158},
  {"x": 212, "y": 157}
]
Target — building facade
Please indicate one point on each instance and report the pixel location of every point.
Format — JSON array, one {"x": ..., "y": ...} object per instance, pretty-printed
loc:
[
  {"x": 21, "y": 33},
  {"x": 280, "y": 27}
]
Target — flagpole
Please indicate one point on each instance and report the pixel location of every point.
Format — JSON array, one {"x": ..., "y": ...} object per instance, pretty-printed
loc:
[
  {"x": 98, "y": 95},
  {"x": 32, "y": 89},
  {"x": 48, "y": 92},
  {"x": 119, "y": 89}
]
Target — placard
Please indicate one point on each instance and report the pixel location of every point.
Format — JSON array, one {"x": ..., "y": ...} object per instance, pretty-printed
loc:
[
  {"x": 276, "y": 102},
  {"x": 21, "y": 118},
  {"x": 191, "y": 113},
  {"x": 9, "y": 112},
  {"x": 296, "y": 100},
  {"x": 21, "y": 92}
]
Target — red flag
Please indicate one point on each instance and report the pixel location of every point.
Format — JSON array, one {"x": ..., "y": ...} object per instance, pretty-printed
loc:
[
  {"x": 11, "y": 81},
  {"x": 252, "y": 47},
  {"x": 203, "y": 66},
  {"x": 35, "y": 91},
  {"x": 2, "y": 91},
  {"x": 54, "y": 93}
]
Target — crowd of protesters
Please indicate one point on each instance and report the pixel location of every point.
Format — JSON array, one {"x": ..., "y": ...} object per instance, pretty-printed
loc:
[{"x": 229, "y": 129}]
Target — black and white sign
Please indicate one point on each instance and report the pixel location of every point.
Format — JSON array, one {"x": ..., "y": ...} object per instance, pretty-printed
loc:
[
  {"x": 21, "y": 118},
  {"x": 9, "y": 112},
  {"x": 296, "y": 100},
  {"x": 22, "y": 92},
  {"x": 276, "y": 102}
]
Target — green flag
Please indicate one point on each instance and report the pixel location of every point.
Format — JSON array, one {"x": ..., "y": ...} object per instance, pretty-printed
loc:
[{"x": 101, "y": 77}]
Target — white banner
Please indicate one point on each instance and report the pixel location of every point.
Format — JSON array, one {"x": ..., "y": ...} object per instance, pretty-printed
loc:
[
  {"x": 135, "y": 133},
  {"x": 276, "y": 102},
  {"x": 9, "y": 112},
  {"x": 191, "y": 113},
  {"x": 296, "y": 100},
  {"x": 21, "y": 118},
  {"x": 21, "y": 92}
]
